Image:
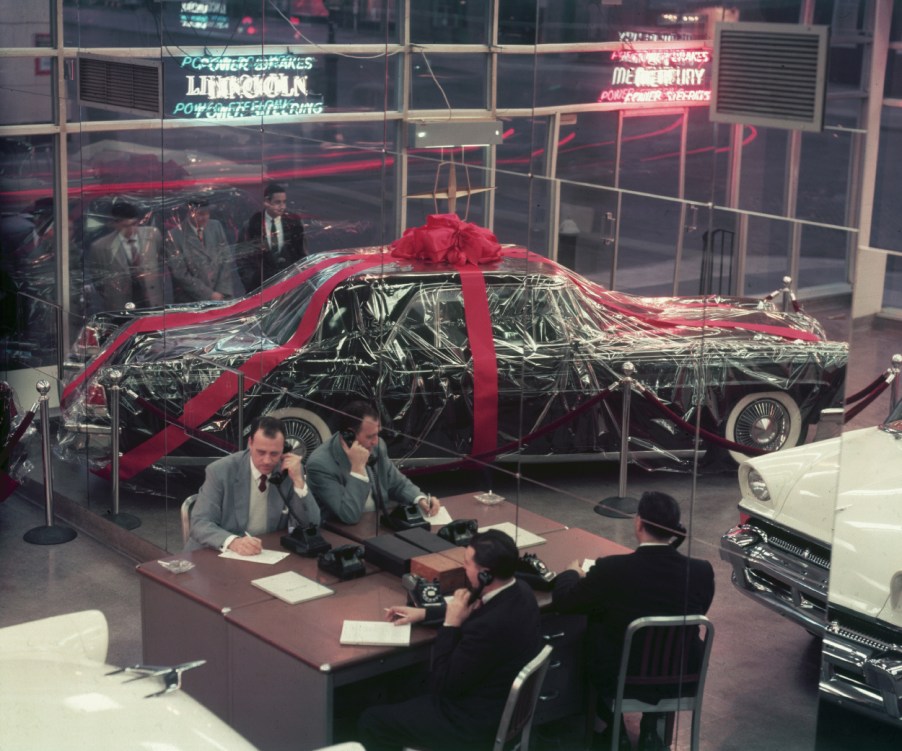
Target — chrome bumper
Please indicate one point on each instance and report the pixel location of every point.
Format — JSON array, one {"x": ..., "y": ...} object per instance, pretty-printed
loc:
[
  {"x": 862, "y": 674},
  {"x": 780, "y": 576}
]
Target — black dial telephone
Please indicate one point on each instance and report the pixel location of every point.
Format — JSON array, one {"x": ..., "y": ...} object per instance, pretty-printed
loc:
[
  {"x": 534, "y": 572},
  {"x": 306, "y": 541},
  {"x": 345, "y": 561},
  {"x": 459, "y": 532}
]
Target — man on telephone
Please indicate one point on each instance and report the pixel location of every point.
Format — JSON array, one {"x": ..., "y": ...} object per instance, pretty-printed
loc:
[
  {"x": 252, "y": 492},
  {"x": 490, "y": 630},
  {"x": 352, "y": 472}
]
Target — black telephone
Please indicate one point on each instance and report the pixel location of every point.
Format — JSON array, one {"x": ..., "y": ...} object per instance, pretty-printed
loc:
[
  {"x": 306, "y": 541},
  {"x": 422, "y": 593},
  {"x": 485, "y": 578},
  {"x": 345, "y": 561},
  {"x": 405, "y": 517},
  {"x": 459, "y": 532},
  {"x": 534, "y": 572},
  {"x": 348, "y": 436},
  {"x": 278, "y": 476}
]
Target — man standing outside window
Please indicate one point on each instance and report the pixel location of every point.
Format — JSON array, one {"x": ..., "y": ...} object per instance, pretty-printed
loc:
[
  {"x": 125, "y": 265},
  {"x": 199, "y": 256},
  {"x": 273, "y": 239}
]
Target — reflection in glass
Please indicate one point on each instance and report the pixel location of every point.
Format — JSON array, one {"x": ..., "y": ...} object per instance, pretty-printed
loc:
[
  {"x": 27, "y": 87},
  {"x": 446, "y": 81}
]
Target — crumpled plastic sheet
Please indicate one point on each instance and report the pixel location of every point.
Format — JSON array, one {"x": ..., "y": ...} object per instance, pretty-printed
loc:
[{"x": 409, "y": 337}]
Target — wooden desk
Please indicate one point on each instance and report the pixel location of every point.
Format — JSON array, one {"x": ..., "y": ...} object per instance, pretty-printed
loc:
[
  {"x": 277, "y": 672},
  {"x": 285, "y": 662},
  {"x": 182, "y": 614},
  {"x": 463, "y": 506}
]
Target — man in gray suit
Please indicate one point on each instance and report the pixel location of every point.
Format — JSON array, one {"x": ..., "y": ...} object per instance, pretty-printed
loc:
[
  {"x": 352, "y": 472},
  {"x": 199, "y": 257},
  {"x": 125, "y": 265},
  {"x": 240, "y": 498}
]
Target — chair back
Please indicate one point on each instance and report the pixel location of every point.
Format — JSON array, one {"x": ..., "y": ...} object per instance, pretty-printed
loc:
[
  {"x": 187, "y": 505},
  {"x": 663, "y": 667},
  {"x": 516, "y": 720}
]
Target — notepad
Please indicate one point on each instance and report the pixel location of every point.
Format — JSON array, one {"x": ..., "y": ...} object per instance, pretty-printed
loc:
[
  {"x": 375, "y": 633},
  {"x": 291, "y": 587},
  {"x": 264, "y": 556},
  {"x": 520, "y": 536},
  {"x": 440, "y": 518}
]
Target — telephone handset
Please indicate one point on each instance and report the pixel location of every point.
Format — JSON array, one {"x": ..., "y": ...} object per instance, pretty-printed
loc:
[
  {"x": 344, "y": 561},
  {"x": 305, "y": 540},
  {"x": 278, "y": 476},
  {"x": 485, "y": 578},
  {"x": 348, "y": 436}
]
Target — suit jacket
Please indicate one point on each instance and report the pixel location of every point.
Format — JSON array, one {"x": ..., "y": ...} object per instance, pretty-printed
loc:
[
  {"x": 223, "y": 503},
  {"x": 200, "y": 269},
  {"x": 342, "y": 496},
  {"x": 257, "y": 262},
  {"x": 653, "y": 580},
  {"x": 118, "y": 280},
  {"x": 474, "y": 666}
]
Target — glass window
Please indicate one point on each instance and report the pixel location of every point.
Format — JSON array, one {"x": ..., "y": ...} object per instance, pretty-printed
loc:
[
  {"x": 892, "y": 290},
  {"x": 27, "y": 82},
  {"x": 524, "y": 147},
  {"x": 587, "y": 147},
  {"x": 443, "y": 82},
  {"x": 448, "y": 22},
  {"x": 446, "y": 181},
  {"x": 764, "y": 155},
  {"x": 887, "y": 219}
]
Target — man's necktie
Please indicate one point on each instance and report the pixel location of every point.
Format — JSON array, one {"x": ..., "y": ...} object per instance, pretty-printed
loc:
[
  {"x": 131, "y": 249},
  {"x": 273, "y": 235},
  {"x": 200, "y": 236},
  {"x": 262, "y": 485}
]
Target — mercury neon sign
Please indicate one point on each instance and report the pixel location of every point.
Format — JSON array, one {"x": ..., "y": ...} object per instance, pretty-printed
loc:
[
  {"x": 246, "y": 86},
  {"x": 664, "y": 76}
]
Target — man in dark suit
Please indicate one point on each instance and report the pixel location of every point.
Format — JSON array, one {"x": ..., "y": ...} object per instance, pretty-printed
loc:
[
  {"x": 126, "y": 265},
  {"x": 199, "y": 257},
  {"x": 489, "y": 632},
  {"x": 273, "y": 240},
  {"x": 352, "y": 472},
  {"x": 653, "y": 580},
  {"x": 240, "y": 499}
]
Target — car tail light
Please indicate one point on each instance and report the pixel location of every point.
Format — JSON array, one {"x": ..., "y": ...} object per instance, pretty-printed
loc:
[{"x": 95, "y": 395}]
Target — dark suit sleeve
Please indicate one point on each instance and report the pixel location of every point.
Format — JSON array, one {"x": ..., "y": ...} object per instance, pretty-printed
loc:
[{"x": 584, "y": 595}]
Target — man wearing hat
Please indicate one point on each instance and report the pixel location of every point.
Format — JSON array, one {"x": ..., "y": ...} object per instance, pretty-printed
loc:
[
  {"x": 653, "y": 580},
  {"x": 199, "y": 257},
  {"x": 125, "y": 264}
]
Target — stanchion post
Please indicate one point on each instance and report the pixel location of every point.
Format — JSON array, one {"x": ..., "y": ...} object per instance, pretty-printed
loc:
[
  {"x": 787, "y": 293},
  {"x": 48, "y": 534},
  {"x": 114, "y": 378},
  {"x": 622, "y": 506},
  {"x": 894, "y": 387},
  {"x": 240, "y": 407}
]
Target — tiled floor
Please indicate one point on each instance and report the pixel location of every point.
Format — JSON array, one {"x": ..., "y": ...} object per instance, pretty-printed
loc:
[{"x": 762, "y": 689}]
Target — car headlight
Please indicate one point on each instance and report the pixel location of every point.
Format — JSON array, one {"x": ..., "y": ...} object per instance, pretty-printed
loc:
[{"x": 757, "y": 486}]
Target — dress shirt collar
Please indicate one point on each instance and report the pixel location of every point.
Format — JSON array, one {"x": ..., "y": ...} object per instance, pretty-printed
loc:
[
  {"x": 496, "y": 592},
  {"x": 255, "y": 473}
]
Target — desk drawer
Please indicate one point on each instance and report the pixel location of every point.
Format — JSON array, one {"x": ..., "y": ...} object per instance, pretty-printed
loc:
[{"x": 563, "y": 691}]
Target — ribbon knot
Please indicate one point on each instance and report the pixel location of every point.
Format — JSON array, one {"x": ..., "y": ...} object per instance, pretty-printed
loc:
[{"x": 446, "y": 239}]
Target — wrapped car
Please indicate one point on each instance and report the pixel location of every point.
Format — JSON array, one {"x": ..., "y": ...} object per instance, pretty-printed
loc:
[
  {"x": 821, "y": 527},
  {"x": 513, "y": 359}
]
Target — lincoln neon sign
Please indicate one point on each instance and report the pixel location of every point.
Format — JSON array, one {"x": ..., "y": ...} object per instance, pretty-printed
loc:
[
  {"x": 246, "y": 86},
  {"x": 659, "y": 76}
]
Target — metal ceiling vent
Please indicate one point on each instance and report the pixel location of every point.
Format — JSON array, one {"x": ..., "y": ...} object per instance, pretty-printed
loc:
[
  {"x": 770, "y": 74},
  {"x": 119, "y": 84}
]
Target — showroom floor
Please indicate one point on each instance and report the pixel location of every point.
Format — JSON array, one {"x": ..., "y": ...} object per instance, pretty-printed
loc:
[{"x": 762, "y": 687}]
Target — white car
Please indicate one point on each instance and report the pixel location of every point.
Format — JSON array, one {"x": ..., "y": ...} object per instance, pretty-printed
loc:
[
  {"x": 819, "y": 542},
  {"x": 56, "y": 691}
]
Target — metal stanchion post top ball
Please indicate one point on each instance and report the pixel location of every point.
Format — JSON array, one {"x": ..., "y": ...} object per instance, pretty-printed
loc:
[
  {"x": 48, "y": 534},
  {"x": 622, "y": 506}
]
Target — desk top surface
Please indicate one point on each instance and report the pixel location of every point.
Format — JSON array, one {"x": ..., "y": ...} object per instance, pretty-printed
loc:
[
  {"x": 464, "y": 506},
  {"x": 224, "y": 583}
]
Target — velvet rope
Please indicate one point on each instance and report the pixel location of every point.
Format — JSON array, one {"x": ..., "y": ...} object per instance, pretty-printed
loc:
[
  {"x": 16, "y": 436},
  {"x": 706, "y": 434},
  {"x": 865, "y": 402},
  {"x": 867, "y": 389}
]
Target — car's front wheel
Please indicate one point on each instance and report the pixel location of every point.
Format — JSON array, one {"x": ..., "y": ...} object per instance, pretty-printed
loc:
[
  {"x": 304, "y": 428},
  {"x": 766, "y": 420}
]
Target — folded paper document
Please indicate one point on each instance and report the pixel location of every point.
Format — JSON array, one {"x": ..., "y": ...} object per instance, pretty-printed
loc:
[
  {"x": 291, "y": 587},
  {"x": 376, "y": 633}
]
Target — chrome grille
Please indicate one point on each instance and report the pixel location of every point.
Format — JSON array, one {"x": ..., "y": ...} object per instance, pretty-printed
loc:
[{"x": 858, "y": 637}]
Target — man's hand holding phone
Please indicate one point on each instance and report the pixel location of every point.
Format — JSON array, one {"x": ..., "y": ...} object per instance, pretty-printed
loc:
[{"x": 460, "y": 608}]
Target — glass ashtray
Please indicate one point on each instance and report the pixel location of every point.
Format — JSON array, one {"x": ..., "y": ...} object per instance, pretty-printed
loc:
[
  {"x": 178, "y": 566},
  {"x": 489, "y": 499}
]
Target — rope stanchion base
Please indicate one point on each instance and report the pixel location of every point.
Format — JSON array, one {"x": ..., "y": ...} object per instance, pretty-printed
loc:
[
  {"x": 49, "y": 535},
  {"x": 618, "y": 507},
  {"x": 126, "y": 521}
]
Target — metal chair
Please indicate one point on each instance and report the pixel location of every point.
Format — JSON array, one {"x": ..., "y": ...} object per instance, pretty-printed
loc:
[
  {"x": 655, "y": 662},
  {"x": 516, "y": 720},
  {"x": 187, "y": 505}
]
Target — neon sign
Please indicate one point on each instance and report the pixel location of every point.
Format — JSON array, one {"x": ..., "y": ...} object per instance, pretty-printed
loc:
[
  {"x": 664, "y": 76},
  {"x": 247, "y": 86}
]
